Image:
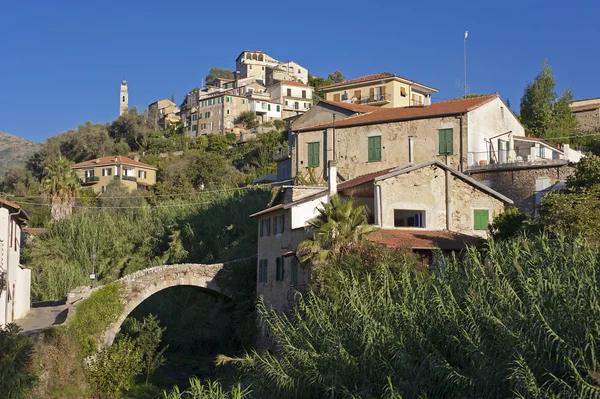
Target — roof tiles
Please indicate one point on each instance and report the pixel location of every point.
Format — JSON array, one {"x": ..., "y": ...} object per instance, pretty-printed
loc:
[
  {"x": 422, "y": 239},
  {"x": 111, "y": 160}
]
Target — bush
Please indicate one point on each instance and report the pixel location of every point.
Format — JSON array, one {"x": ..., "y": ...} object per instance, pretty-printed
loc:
[
  {"x": 17, "y": 376},
  {"x": 508, "y": 224},
  {"x": 113, "y": 369},
  {"x": 279, "y": 125},
  {"x": 248, "y": 119},
  {"x": 520, "y": 319}
]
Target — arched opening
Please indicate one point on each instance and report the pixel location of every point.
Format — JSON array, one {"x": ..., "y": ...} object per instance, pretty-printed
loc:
[
  {"x": 260, "y": 57},
  {"x": 123, "y": 98},
  {"x": 255, "y": 57},
  {"x": 199, "y": 324}
]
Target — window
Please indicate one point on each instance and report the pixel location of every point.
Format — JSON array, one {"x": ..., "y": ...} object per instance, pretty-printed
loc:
[
  {"x": 299, "y": 70},
  {"x": 409, "y": 218},
  {"x": 278, "y": 108},
  {"x": 481, "y": 219},
  {"x": 123, "y": 98},
  {"x": 305, "y": 105},
  {"x": 289, "y": 92},
  {"x": 227, "y": 112},
  {"x": 286, "y": 103},
  {"x": 141, "y": 174},
  {"x": 403, "y": 91},
  {"x": 107, "y": 172},
  {"x": 212, "y": 125},
  {"x": 89, "y": 173},
  {"x": 446, "y": 145},
  {"x": 243, "y": 101},
  {"x": 374, "y": 148},
  {"x": 228, "y": 99},
  {"x": 313, "y": 154},
  {"x": 296, "y": 105},
  {"x": 268, "y": 107},
  {"x": 294, "y": 271},
  {"x": 262, "y": 271},
  {"x": 279, "y": 224},
  {"x": 195, "y": 127},
  {"x": 279, "y": 269},
  {"x": 265, "y": 227},
  {"x": 336, "y": 97},
  {"x": 200, "y": 116},
  {"x": 303, "y": 93}
]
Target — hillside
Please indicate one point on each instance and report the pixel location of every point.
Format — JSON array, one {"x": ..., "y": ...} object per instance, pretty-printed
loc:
[{"x": 14, "y": 150}]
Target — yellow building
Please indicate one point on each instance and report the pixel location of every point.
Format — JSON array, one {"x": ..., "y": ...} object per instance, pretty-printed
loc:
[
  {"x": 381, "y": 89},
  {"x": 98, "y": 173}
]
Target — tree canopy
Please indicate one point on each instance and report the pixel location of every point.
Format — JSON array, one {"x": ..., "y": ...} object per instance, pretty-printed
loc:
[
  {"x": 542, "y": 111},
  {"x": 216, "y": 72}
]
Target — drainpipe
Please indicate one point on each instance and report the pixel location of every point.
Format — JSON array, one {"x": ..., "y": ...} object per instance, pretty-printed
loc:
[
  {"x": 377, "y": 204},
  {"x": 448, "y": 200},
  {"x": 460, "y": 163},
  {"x": 333, "y": 126},
  {"x": 410, "y": 149},
  {"x": 10, "y": 216},
  {"x": 332, "y": 180}
]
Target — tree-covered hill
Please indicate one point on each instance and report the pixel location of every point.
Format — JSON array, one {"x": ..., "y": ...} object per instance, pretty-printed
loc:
[{"x": 15, "y": 150}]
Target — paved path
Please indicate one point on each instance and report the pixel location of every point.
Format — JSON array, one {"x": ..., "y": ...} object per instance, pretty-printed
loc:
[{"x": 43, "y": 315}]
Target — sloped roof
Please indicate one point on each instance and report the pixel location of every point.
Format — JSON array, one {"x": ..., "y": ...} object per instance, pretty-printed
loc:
[
  {"x": 368, "y": 78},
  {"x": 455, "y": 172},
  {"x": 357, "y": 181},
  {"x": 352, "y": 107},
  {"x": 111, "y": 160},
  {"x": 14, "y": 207},
  {"x": 291, "y": 83},
  {"x": 587, "y": 107},
  {"x": 386, "y": 115},
  {"x": 422, "y": 239}
]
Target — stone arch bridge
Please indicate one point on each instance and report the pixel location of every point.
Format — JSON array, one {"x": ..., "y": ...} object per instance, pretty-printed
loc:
[{"x": 139, "y": 286}]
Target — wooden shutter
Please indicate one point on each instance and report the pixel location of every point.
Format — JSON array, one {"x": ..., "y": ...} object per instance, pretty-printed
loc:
[
  {"x": 313, "y": 154},
  {"x": 383, "y": 91},
  {"x": 357, "y": 94},
  {"x": 336, "y": 97},
  {"x": 481, "y": 219},
  {"x": 449, "y": 141},
  {"x": 445, "y": 138},
  {"x": 442, "y": 141},
  {"x": 372, "y": 92},
  {"x": 374, "y": 148}
]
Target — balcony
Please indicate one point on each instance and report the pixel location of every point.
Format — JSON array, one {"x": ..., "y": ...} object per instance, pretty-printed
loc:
[
  {"x": 130, "y": 178},
  {"x": 90, "y": 180},
  {"x": 377, "y": 99},
  {"x": 281, "y": 153}
]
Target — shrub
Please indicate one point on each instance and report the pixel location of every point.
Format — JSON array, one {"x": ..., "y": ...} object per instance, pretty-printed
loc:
[
  {"x": 508, "y": 224},
  {"x": 279, "y": 124},
  {"x": 247, "y": 119},
  {"x": 207, "y": 390},
  {"x": 17, "y": 376}
]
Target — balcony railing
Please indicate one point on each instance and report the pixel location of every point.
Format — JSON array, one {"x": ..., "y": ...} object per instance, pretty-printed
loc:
[
  {"x": 282, "y": 153},
  {"x": 90, "y": 179},
  {"x": 377, "y": 98},
  {"x": 130, "y": 178}
]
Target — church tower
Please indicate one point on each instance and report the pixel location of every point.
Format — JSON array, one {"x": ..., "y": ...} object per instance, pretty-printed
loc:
[{"x": 124, "y": 98}]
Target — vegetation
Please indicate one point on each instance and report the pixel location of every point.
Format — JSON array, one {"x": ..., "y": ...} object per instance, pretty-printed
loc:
[
  {"x": 60, "y": 185},
  {"x": 207, "y": 390},
  {"x": 17, "y": 376},
  {"x": 248, "y": 119},
  {"x": 316, "y": 82},
  {"x": 14, "y": 151},
  {"x": 511, "y": 321},
  {"x": 338, "y": 228},
  {"x": 542, "y": 111},
  {"x": 508, "y": 224},
  {"x": 218, "y": 73}
]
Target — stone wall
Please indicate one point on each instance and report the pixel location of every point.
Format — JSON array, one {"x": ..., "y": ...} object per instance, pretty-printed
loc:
[
  {"x": 589, "y": 120},
  {"x": 519, "y": 183}
]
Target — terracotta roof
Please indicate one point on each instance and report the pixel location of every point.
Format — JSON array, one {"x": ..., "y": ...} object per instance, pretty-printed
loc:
[
  {"x": 588, "y": 107},
  {"x": 353, "y": 107},
  {"x": 291, "y": 83},
  {"x": 357, "y": 181},
  {"x": 409, "y": 168},
  {"x": 368, "y": 78},
  {"x": 268, "y": 210},
  {"x": 422, "y": 239},
  {"x": 111, "y": 160},
  {"x": 386, "y": 115},
  {"x": 14, "y": 206}
]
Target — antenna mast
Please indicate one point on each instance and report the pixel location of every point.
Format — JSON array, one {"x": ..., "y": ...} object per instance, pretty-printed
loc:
[{"x": 465, "y": 53}]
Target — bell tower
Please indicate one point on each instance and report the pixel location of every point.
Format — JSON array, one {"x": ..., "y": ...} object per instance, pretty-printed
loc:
[{"x": 124, "y": 98}]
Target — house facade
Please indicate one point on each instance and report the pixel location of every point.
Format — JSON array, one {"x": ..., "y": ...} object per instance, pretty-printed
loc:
[
  {"x": 430, "y": 202},
  {"x": 587, "y": 113},
  {"x": 462, "y": 133},
  {"x": 383, "y": 89},
  {"x": 15, "y": 279},
  {"x": 165, "y": 112},
  {"x": 216, "y": 113},
  {"x": 98, "y": 173},
  {"x": 294, "y": 97}
]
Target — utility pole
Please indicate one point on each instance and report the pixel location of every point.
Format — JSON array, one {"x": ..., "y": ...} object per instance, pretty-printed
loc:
[{"x": 465, "y": 53}]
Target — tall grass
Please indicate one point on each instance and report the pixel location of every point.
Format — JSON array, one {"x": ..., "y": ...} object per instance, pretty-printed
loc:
[
  {"x": 207, "y": 390},
  {"x": 519, "y": 319},
  {"x": 207, "y": 228}
]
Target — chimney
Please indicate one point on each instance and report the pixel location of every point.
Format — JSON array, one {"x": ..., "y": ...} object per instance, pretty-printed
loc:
[{"x": 332, "y": 181}]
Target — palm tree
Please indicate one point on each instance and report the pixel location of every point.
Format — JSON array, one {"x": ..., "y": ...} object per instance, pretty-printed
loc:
[
  {"x": 60, "y": 184},
  {"x": 339, "y": 227}
]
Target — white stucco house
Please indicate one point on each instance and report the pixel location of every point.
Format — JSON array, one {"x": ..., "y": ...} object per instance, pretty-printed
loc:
[{"x": 15, "y": 279}]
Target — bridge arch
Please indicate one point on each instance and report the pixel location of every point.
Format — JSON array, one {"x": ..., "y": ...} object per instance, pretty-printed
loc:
[{"x": 139, "y": 286}]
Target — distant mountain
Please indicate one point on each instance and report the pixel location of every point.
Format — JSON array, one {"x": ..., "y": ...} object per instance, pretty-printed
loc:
[{"x": 14, "y": 150}]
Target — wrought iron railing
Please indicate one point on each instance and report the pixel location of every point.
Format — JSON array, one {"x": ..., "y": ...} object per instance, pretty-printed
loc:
[
  {"x": 376, "y": 98},
  {"x": 91, "y": 179},
  {"x": 130, "y": 178}
]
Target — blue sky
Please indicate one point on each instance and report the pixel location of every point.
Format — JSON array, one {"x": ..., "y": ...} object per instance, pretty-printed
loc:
[{"x": 61, "y": 62}]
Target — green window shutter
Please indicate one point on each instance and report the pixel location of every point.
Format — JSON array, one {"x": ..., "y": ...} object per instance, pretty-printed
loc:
[
  {"x": 268, "y": 107},
  {"x": 481, "y": 219},
  {"x": 445, "y": 138},
  {"x": 278, "y": 108},
  {"x": 294, "y": 269},
  {"x": 449, "y": 141},
  {"x": 374, "y": 148},
  {"x": 442, "y": 141},
  {"x": 313, "y": 154}
]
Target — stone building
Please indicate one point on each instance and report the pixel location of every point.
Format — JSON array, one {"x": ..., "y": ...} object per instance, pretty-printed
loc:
[
  {"x": 124, "y": 98},
  {"x": 98, "y": 173},
  {"x": 380, "y": 89},
  {"x": 15, "y": 279},
  {"x": 587, "y": 113},
  {"x": 471, "y": 132},
  {"x": 216, "y": 113},
  {"x": 291, "y": 71},
  {"x": 294, "y": 97},
  {"x": 426, "y": 203},
  {"x": 165, "y": 112}
]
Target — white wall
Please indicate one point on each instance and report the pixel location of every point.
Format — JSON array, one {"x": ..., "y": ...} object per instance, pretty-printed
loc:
[
  {"x": 487, "y": 121},
  {"x": 3, "y": 259},
  {"x": 306, "y": 211}
]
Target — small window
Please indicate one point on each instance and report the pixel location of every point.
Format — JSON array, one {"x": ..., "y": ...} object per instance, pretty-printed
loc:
[
  {"x": 314, "y": 154},
  {"x": 286, "y": 103},
  {"x": 303, "y": 93},
  {"x": 195, "y": 127},
  {"x": 265, "y": 227},
  {"x": 294, "y": 271},
  {"x": 336, "y": 97},
  {"x": 446, "y": 141},
  {"x": 268, "y": 107},
  {"x": 374, "y": 149},
  {"x": 409, "y": 218},
  {"x": 141, "y": 174},
  {"x": 227, "y": 112},
  {"x": 299, "y": 70},
  {"x": 278, "y": 108},
  {"x": 123, "y": 98},
  {"x": 280, "y": 269},
  {"x": 262, "y": 271},
  {"x": 481, "y": 219},
  {"x": 289, "y": 92},
  {"x": 243, "y": 101},
  {"x": 279, "y": 224}
]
